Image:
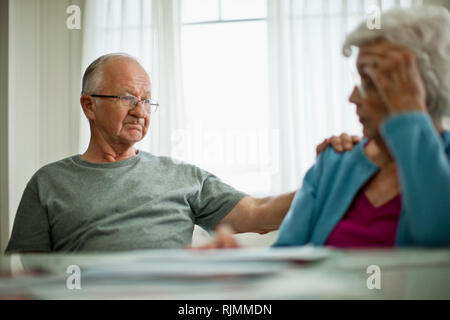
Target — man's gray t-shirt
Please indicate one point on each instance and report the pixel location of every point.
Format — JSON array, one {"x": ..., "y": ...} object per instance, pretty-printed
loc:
[{"x": 139, "y": 203}]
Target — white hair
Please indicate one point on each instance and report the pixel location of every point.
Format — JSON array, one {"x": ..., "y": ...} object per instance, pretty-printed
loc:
[
  {"x": 93, "y": 75},
  {"x": 425, "y": 31}
]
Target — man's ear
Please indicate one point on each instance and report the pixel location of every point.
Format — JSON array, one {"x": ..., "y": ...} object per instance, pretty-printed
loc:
[{"x": 88, "y": 104}]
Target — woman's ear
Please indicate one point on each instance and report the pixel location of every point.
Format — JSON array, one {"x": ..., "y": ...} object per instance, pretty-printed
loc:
[{"x": 88, "y": 104}]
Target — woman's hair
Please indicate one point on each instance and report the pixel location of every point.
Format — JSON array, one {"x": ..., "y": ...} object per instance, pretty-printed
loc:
[
  {"x": 425, "y": 31},
  {"x": 93, "y": 75}
]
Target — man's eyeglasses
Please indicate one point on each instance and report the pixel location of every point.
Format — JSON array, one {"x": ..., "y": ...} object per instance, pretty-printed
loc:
[{"x": 131, "y": 102}]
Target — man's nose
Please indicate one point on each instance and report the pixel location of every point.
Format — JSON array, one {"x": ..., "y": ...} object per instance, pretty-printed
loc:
[{"x": 139, "y": 110}]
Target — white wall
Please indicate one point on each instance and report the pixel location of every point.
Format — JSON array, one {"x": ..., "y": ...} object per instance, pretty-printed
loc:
[
  {"x": 4, "y": 193},
  {"x": 44, "y": 88}
]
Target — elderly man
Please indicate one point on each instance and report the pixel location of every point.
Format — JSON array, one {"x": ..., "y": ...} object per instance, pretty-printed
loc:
[{"x": 115, "y": 197}]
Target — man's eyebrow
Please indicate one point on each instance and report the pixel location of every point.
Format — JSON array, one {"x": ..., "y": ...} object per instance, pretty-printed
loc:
[
  {"x": 128, "y": 91},
  {"x": 132, "y": 92}
]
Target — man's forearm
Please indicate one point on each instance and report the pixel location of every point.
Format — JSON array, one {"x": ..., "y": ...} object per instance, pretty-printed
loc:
[{"x": 270, "y": 211}]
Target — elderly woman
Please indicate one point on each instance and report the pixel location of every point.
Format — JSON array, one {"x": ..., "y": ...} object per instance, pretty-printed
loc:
[{"x": 393, "y": 188}]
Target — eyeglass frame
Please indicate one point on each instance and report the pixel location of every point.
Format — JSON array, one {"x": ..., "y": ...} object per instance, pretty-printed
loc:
[{"x": 142, "y": 101}]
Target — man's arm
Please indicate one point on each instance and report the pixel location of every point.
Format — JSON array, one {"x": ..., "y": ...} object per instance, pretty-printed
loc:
[
  {"x": 265, "y": 214},
  {"x": 258, "y": 215}
]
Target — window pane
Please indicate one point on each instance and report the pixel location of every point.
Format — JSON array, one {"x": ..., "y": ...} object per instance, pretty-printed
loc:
[
  {"x": 405, "y": 3},
  {"x": 131, "y": 12},
  {"x": 243, "y": 9},
  {"x": 355, "y": 6},
  {"x": 226, "y": 98},
  {"x": 335, "y": 7},
  {"x": 114, "y": 14},
  {"x": 200, "y": 10},
  {"x": 388, "y": 4},
  {"x": 314, "y": 7}
]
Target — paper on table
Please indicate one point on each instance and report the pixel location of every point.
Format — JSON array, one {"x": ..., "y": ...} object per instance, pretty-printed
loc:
[
  {"x": 290, "y": 254},
  {"x": 175, "y": 270},
  {"x": 183, "y": 263},
  {"x": 207, "y": 263}
]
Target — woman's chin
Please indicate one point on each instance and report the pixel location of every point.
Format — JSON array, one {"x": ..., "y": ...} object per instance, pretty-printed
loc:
[{"x": 371, "y": 134}]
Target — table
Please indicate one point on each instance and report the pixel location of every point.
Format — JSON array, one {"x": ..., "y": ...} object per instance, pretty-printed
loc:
[{"x": 242, "y": 274}]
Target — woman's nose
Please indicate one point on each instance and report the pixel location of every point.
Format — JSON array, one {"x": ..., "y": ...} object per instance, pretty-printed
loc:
[{"x": 355, "y": 96}]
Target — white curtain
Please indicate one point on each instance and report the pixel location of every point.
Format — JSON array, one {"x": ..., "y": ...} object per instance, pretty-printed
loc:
[
  {"x": 310, "y": 80},
  {"x": 150, "y": 31}
]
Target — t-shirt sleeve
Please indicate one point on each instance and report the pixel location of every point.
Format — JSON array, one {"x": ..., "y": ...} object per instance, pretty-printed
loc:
[
  {"x": 31, "y": 230},
  {"x": 214, "y": 200}
]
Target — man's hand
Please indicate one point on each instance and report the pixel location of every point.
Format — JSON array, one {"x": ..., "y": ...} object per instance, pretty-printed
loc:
[
  {"x": 341, "y": 143},
  {"x": 223, "y": 239}
]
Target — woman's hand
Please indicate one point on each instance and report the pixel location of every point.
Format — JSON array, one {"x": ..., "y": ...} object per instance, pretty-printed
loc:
[{"x": 394, "y": 72}]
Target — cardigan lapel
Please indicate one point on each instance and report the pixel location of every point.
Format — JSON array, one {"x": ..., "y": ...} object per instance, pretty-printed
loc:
[{"x": 339, "y": 189}]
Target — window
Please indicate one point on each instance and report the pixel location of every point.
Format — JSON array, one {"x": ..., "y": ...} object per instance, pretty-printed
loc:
[
  {"x": 264, "y": 83},
  {"x": 224, "y": 59}
]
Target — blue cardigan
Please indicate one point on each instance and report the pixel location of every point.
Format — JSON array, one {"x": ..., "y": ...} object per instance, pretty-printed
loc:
[{"x": 329, "y": 187}]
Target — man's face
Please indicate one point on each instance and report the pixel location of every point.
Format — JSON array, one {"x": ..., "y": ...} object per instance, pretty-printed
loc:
[{"x": 111, "y": 118}]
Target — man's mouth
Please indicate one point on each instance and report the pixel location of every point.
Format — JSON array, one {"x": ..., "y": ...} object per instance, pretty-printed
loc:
[{"x": 134, "y": 126}]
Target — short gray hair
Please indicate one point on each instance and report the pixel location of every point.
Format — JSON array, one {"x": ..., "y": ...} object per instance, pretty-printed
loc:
[
  {"x": 93, "y": 75},
  {"x": 425, "y": 31}
]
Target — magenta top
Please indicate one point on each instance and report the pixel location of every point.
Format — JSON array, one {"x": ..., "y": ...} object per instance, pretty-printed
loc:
[{"x": 364, "y": 225}]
